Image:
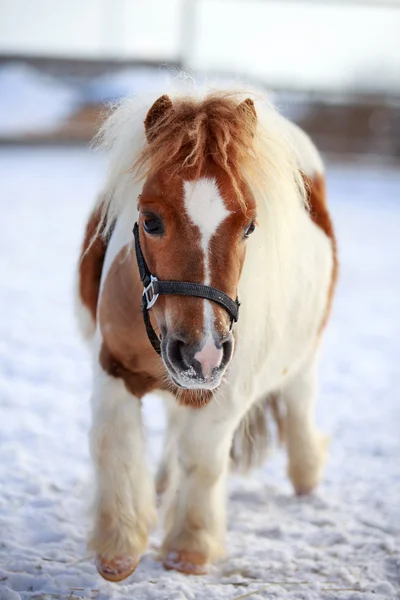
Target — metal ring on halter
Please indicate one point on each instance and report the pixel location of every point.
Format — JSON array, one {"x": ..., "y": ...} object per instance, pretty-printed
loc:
[{"x": 149, "y": 292}]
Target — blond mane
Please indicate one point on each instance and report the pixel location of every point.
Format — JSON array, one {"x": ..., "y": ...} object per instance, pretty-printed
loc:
[{"x": 217, "y": 125}]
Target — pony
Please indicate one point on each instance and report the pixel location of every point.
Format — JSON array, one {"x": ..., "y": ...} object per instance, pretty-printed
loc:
[{"x": 206, "y": 275}]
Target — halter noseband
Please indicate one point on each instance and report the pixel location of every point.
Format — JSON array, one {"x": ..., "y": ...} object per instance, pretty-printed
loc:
[{"x": 154, "y": 288}]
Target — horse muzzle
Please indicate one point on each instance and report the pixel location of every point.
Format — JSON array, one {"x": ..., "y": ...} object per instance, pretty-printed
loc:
[{"x": 197, "y": 365}]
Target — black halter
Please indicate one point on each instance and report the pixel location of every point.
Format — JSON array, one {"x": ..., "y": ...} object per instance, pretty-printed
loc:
[{"x": 153, "y": 288}]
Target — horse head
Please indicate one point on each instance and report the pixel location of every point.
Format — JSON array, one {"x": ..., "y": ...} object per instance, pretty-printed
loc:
[{"x": 196, "y": 212}]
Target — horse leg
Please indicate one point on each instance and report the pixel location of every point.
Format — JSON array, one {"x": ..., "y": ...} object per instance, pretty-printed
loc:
[
  {"x": 174, "y": 413},
  {"x": 306, "y": 446},
  {"x": 194, "y": 515},
  {"x": 124, "y": 503}
]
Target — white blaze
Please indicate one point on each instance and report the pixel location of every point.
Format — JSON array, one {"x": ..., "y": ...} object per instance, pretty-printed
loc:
[{"x": 206, "y": 209}]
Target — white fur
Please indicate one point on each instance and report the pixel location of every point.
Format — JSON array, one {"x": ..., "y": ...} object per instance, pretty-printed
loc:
[
  {"x": 122, "y": 235},
  {"x": 305, "y": 444},
  {"x": 194, "y": 505},
  {"x": 124, "y": 504},
  {"x": 308, "y": 157},
  {"x": 206, "y": 209},
  {"x": 283, "y": 291},
  {"x": 86, "y": 323},
  {"x": 84, "y": 319}
]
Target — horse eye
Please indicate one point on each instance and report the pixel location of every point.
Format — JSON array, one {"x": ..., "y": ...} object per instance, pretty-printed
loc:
[
  {"x": 249, "y": 229},
  {"x": 153, "y": 224}
]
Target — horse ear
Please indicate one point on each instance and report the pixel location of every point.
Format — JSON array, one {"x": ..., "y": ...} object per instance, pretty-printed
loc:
[
  {"x": 248, "y": 111},
  {"x": 156, "y": 112}
]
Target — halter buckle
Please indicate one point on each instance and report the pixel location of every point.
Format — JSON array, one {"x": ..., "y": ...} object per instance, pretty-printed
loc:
[{"x": 149, "y": 293}]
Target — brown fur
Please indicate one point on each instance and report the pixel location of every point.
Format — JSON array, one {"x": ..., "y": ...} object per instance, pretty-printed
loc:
[
  {"x": 156, "y": 112},
  {"x": 319, "y": 213},
  {"x": 91, "y": 263},
  {"x": 126, "y": 351}
]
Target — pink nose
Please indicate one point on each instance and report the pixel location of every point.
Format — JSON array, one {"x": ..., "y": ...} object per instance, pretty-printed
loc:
[{"x": 209, "y": 357}]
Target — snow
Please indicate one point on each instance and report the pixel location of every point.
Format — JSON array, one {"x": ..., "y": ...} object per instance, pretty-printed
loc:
[{"x": 343, "y": 542}]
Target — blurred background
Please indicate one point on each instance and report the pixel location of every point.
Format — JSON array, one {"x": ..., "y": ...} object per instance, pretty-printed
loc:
[{"x": 333, "y": 65}]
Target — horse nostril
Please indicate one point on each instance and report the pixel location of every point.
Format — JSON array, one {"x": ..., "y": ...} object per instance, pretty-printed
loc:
[
  {"x": 227, "y": 348},
  {"x": 176, "y": 353}
]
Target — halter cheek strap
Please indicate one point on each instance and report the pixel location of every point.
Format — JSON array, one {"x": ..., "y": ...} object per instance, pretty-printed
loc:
[{"x": 153, "y": 288}]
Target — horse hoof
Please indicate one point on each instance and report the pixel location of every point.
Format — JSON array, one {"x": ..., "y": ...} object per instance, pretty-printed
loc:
[
  {"x": 118, "y": 568},
  {"x": 190, "y": 563}
]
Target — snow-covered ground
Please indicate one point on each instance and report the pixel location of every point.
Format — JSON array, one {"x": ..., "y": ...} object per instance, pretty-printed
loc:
[{"x": 343, "y": 543}]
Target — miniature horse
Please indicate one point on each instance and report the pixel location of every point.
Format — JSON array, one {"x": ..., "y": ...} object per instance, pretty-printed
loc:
[{"x": 227, "y": 202}]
